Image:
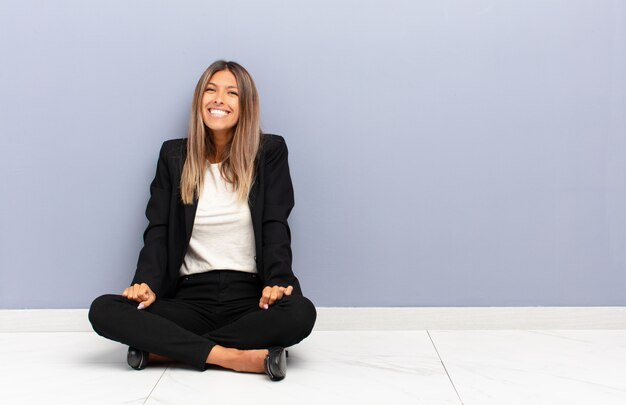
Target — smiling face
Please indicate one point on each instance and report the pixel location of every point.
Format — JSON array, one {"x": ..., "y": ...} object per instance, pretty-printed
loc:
[{"x": 220, "y": 103}]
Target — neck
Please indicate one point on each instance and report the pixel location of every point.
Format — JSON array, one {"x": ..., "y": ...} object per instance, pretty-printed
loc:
[{"x": 220, "y": 140}]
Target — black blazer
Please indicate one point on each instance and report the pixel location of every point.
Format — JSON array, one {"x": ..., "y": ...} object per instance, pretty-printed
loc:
[{"x": 170, "y": 221}]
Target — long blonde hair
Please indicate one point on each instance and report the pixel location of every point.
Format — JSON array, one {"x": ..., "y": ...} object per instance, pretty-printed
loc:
[{"x": 239, "y": 155}]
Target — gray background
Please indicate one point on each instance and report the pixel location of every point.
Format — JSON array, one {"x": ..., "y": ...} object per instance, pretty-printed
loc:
[{"x": 444, "y": 153}]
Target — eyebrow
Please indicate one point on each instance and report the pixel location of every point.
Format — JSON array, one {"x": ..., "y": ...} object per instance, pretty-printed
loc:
[{"x": 228, "y": 87}]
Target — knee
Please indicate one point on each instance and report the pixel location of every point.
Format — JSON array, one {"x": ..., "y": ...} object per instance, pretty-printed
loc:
[
  {"x": 303, "y": 315},
  {"x": 100, "y": 311}
]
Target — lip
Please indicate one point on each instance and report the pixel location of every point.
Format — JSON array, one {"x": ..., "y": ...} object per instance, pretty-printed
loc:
[{"x": 210, "y": 111}]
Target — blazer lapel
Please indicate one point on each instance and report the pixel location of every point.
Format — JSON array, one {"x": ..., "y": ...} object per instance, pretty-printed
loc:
[
  {"x": 255, "y": 202},
  {"x": 189, "y": 211}
]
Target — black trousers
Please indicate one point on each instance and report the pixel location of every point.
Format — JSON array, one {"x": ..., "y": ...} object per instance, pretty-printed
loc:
[{"x": 213, "y": 308}]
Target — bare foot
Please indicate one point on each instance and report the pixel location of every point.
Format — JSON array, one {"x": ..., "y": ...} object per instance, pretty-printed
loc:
[
  {"x": 248, "y": 361},
  {"x": 253, "y": 361}
]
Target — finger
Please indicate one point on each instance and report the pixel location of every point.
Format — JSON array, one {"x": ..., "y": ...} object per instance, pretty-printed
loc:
[
  {"x": 142, "y": 296},
  {"x": 272, "y": 297},
  {"x": 129, "y": 292},
  {"x": 125, "y": 293},
  {"x": 277, "y": 293},
  {"x": 288, "y": 290},
  {"x": 144, "y": 292},
  {"x": 149, "y": 301},
  {"x": 265, "y": 297},
  {"x": 135, "y": 293}
]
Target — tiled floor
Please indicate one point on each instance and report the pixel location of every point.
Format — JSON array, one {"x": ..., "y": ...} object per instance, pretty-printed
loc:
[{"x": 360, "y": 367}]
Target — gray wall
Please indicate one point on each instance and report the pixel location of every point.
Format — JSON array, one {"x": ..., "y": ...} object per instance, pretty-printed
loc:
[{"x": 444, "y": 153}]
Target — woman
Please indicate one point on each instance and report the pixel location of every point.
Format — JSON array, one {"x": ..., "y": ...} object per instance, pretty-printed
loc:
[{"x": 214, "y": 283}]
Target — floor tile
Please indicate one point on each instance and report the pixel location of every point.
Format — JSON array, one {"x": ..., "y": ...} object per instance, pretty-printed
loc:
[
  {"x": 69, "y": 368},
  {"x": 60, "y": 347},
  {"x": 328, "y": 367},
  {"x": 368, "y": 367},
  {"x": 535, "y": 367}
]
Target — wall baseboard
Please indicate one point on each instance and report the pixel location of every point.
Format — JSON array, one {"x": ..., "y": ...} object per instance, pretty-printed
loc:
[{"x": 328, "y": 319}]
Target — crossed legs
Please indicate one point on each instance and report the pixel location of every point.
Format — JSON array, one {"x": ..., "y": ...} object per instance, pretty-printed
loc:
[{"x": 233, "y": 335}]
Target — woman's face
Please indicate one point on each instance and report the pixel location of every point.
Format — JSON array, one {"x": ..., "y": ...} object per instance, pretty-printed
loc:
[{"x": 220, "y": 102}]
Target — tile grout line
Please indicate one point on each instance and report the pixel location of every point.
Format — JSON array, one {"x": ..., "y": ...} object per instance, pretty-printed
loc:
[
  {"x": 155, "y": 385},
  {"x": 444, "y": 367}
]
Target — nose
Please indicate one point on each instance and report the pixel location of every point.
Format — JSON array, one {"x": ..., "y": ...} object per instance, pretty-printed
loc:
[{"x": 218, "y": 98}]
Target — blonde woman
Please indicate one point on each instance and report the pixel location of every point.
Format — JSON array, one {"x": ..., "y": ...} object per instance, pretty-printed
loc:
[{"x": 214, "y": 284}]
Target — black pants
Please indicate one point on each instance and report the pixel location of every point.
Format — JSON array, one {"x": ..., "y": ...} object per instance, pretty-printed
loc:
[{"x": 217, "y": 307}]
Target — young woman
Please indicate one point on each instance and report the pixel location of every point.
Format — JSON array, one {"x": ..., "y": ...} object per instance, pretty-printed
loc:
[{"x": 214, "y": 283}]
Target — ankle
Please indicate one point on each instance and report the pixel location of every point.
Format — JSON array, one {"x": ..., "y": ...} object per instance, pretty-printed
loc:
[
  {"x": 251, "y": 361},
  {"x": 156, "y": 358}
]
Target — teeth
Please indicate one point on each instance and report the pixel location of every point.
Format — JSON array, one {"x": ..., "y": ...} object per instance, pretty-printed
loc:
[{"x": 219, "y": 113}]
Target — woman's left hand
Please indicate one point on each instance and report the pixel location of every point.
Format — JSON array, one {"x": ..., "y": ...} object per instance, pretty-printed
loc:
[{"x": 272, "y": 294}]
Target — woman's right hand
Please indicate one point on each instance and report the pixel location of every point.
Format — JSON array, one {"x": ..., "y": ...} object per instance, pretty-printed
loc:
[{"x": 141, "y": 293}]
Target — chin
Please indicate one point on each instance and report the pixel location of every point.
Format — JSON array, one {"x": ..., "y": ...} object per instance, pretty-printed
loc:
[{"x": 216, "y": 128}]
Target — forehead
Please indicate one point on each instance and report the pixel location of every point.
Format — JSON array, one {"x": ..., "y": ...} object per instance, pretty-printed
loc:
[{"x": 223, "y": 78}]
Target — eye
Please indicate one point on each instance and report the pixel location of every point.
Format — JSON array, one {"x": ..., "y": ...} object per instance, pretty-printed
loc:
[
  {"x": 233, "y": 93},
  {"x": 209, "y": 89}
]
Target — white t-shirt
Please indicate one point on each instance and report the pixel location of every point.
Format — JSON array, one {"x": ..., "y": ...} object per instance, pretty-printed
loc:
[{"x": 222, "y": 237}]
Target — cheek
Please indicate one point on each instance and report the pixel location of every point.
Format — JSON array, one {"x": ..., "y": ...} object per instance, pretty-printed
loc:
[
  {"x": 204, "y": 103},
  {"x": 205, "y": 117},
  {"x": 236, "y": 113},
  {"x": 236, "y": 119},
  {"x": 205, "y": 99}
]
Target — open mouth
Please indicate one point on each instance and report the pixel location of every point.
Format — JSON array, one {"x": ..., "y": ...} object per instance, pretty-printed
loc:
[{"x": 218, "y": 113}]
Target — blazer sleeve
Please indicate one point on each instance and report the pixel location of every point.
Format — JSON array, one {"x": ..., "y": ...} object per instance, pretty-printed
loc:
[
  {"x": 279, "y": 201},
  {"x": 152, "y": 262}
]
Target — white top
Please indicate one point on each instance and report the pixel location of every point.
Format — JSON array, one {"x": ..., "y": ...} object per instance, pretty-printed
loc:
[{"x": 222, "y": 237}]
